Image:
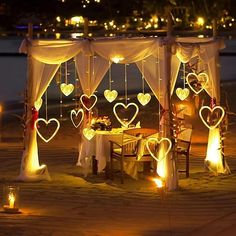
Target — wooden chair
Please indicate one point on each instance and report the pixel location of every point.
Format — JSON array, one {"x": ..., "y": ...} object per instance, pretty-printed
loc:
[
  {"x": 131, "y": 148},
  {"x": 183, "y": 147}
]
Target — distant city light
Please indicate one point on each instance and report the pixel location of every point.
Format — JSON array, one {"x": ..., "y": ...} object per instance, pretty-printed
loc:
[
  {"x": 76, "y": 20},
  {"x": 200, "y": 21},
  {"x": 58, "y": 18}
]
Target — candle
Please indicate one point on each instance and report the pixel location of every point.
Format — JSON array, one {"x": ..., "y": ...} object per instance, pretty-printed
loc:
[{"x": 11, "y": 199}]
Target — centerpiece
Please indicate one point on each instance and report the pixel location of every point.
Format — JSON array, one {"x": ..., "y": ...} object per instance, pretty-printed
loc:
[{"x": 101, "y": 123}]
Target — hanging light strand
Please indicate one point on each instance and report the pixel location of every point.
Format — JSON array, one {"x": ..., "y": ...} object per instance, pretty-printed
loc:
[
  {"x": 109, "y": 73},
  {"x": 46, "y": 104},
  {"x": 184, "y": 75},
  {"x": 143, "y": 76},
  {"x": 77, "y": 85},
  {"x": 126, "y": 95},
  {"x": 89, "y": 79},
  {"x": 60, "y": 74},
  {"x": 66, "y": 79},
  {"x": 159, "y": 92}
]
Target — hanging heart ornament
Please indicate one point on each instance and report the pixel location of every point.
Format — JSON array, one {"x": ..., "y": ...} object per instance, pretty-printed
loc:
[
  {"x": 110, "y": 95},
  {"x": 47, "y": 122},
  {"x": 75, "y": 114},
  {"x": 125, "y": 124},
  {"x": 38, "y": 104},
  {"x": 89, "y": 133},
  {"x": 217, "y": 112},
  {"x": 87, "y": 101},
  {"x": 153, "y": 141},
  {"x": 197, "y": 82},
  {"x": 144, "y": 98},
  {"x": 66, "y": 89},
  {"x": 182, "y": 93}
]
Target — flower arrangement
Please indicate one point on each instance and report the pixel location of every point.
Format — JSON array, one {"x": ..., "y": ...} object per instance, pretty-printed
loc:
[{"x": 101, "y": 123}]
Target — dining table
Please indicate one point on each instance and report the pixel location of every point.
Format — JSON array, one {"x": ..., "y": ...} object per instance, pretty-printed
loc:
[{"x": 98, "y": 147}]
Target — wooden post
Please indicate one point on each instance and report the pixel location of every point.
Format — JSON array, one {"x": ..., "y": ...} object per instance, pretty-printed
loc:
[
  {"x": 172, "y": 178},
  {"x": 169, "y": 22},
  {"x": 1, "y": 121},
  {"x": 86, "y": 27},
  {"x": 30, "y": 31},
  {"x": 214, "y": 28},
  {"x": 26, "y": 100}
]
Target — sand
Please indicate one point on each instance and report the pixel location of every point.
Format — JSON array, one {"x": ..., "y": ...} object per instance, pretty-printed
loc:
[{"x": 71, "y": 204}]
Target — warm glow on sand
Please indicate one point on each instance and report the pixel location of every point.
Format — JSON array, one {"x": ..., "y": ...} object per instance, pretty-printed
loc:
[
  {"x": 159, "y": 183},
  {"x": 161, "y": 166}
]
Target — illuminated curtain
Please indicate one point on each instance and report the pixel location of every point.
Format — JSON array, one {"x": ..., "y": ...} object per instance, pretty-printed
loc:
[
  {"x": 44, "y": 59},
  {"x": 207, "y": 51}
]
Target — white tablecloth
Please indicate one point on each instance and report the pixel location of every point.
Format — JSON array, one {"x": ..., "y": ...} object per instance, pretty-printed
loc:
[{"x": 98, "y": 146}]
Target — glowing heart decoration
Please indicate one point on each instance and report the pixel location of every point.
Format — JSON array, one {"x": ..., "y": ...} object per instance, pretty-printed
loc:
[
  {"x": 110, "y": 95},
  {"x": 182, "y": 93},
  {"x": 125, "y": 124},
  {"x": 158, "y": 141},
  {"x": 89, "y": 133},
  {"x": 213, "y": 111},
  {"x": 67, "y": 89},
  {"x": 74, "y": 113},
  {"x": 199, "y": 82},
  {"x": 38, "y": 104},
  {"x": 144, "y": 98},
  {"x": 90, "y": 104},
  {"x": 47, "y": 122}
]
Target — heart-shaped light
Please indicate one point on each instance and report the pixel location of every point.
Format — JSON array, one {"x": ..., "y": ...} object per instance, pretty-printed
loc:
[
  {"x": 125, "y": 124},
  {"x": 214, "y": 109},
  {"x": 89, "y": 133},
  {"x": 144, "y": 98},
  {"x": 66, "y": 89},
  {"x": 89, "y": 99},
  {"x": 110, "y": 95},
  {"x": 182, "y": 93},
  {"x": 47, "y": 122},
  {"x": 158, "y": 141},
  {"x": 74, "y": 113},
  {"x": 38, "y": 104},
  {"x": 202, "y": 78}
]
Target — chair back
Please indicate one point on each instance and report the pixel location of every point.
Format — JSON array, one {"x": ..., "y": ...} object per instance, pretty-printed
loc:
[
  {"x": 185, "y": 134},
  {"x": 134, "y": 140},
  {"x": 184, "y": 138}
]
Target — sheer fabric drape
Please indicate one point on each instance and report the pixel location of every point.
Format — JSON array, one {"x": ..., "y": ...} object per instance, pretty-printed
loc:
[
  {"x": 208, "y": 60},
  {"x": 44, "y": 59},
  {"x": 92, "y": 59}
]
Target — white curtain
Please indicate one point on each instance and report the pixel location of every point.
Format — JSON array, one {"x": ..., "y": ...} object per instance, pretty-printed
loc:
[
  {"x": 44, "y": 59},
  {"x": 129, "y": 50},
  {"x": 207, "y": 51},
  {"x": 91, "y": 70}
]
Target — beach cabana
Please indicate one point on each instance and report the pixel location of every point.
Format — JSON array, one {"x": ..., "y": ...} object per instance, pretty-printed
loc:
[{"x": 46, "y": 56}]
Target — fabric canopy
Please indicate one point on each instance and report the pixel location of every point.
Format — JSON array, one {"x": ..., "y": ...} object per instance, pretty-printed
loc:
[{"x": 93, "y": 58}]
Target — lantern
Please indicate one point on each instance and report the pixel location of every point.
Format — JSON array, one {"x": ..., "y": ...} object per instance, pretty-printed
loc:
[{"x": 11, "y": 199}]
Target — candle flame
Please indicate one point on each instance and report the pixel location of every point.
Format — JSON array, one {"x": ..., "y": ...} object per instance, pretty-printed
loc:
[{"x": 11, "y": 199}]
